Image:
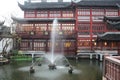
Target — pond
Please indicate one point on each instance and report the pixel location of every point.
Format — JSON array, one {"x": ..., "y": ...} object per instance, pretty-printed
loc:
[{"x": 84, "y": 69}]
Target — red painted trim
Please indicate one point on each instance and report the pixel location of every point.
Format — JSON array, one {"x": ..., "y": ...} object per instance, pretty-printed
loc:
[
  {"x": 61, "y": 13},
  {"x": 24, "y": 14},
  {"x": 76, "y": 28},
  {"x": 34, "y": 28},
  {"x": 76, "y": 17},
  {"x": 35, "y": 13},
  {"x": 48, "y": 14},
  {"x": 60, "y": 26},
  {"x": 118, "y": 12},
  {"x": 91, "y": 34},
  {"x": 47, "y": 27}
]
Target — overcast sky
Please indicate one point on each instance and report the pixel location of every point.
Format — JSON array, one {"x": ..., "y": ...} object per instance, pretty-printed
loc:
[{"x": 10, "y": 7}]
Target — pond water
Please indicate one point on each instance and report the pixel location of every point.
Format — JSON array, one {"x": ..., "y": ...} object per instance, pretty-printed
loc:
[{"x": 83, "y": 70}]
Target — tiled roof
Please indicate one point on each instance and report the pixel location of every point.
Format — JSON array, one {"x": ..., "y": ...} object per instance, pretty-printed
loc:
[
  {"x": 109, "y": 36},
  {"x": 113, "y": 22},
  {"x": 52, "y": 5},
  {"x": 104, "y": 3},
  {"x": 5, "y": 29},
  {"x": 45, "y": 5},
  {"x": 113, "y": 25},
  {"x": 117, "y": 18},
  {"x": 41, "y": 19}
]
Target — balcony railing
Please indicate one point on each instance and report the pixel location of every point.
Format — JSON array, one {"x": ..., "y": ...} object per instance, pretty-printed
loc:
[
  {"x": 111, "y": 68},
  {"x": 46, "y": 34}
]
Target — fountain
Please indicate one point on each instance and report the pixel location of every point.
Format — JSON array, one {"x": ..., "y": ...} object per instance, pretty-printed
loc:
[
  {"x": 53, "y": 58},
  {"x": 53, "y": 42}
]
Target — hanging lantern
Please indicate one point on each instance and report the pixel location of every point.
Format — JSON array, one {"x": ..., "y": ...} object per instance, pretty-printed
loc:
[
  {"x": 105, "y": 43},
  {"x": 46, "y": 33},
  {"x": 32, "y": 33},
  {"x": 95, "y": 43}
]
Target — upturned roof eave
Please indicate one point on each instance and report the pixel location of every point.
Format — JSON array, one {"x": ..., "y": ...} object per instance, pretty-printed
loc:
[
  {"x": 117, "y": 18},
  {"x": 99, "y": 3},
  {"x": 24, "y": 20},
  {"x": 109, "y": 36},
  {"x": 48, "y": 6},
  {"x": 63, "y": 5}
]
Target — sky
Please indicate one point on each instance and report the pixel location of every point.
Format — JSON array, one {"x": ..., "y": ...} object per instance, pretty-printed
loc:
[{"x": 10, "y": 7}]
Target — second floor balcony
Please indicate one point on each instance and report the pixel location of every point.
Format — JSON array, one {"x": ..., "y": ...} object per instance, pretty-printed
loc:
[{"x": 46, "y": 34}]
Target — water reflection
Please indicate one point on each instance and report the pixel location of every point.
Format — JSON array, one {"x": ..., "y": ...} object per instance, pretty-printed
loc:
[{"x": 84, "y": 70}]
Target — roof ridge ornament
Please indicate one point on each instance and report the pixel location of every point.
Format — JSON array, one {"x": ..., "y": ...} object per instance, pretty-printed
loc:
[
  {"x": 76, "y": 1},
  {"x": 118, "y": 5}
]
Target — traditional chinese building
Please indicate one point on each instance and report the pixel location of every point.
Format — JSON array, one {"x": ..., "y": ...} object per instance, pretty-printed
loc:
[
  {"x": 111, "y": 38},
  {"x": 78, "y": 25}
]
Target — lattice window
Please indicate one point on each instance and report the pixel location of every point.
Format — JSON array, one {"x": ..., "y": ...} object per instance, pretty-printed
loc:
[
  {"x": 27, "y": 27},
  {"x": 25, "y": 45},
  {"x": 97, "y": 18},
  {"x": 113, "y": 44},
  {"x": 41, "y": 27},
  {"x": 83, "y": 12},
  {"x": 69, "y": 44},
  {"x": 83, "y": 18},
  {"x": 98, "y": 12},
  {"x": 69, "y": 27},
  {"x": 83, "y": 43},
  {"x": 84, "y": 33},
  {"x": 111, "y": 12},
  {"x": 55, "y": 14},
  {"x": 98, "y": 27},
  {"x": 84, "y": 27},
  {"x": 39, "y": 45},
  {"x": 67, "y": 14},
  {"x": 24, "y": 25},
  {"x": 42, "y": 14},
  {"x": 29, "y": 14},
  {"x": 58, "y": 27}
]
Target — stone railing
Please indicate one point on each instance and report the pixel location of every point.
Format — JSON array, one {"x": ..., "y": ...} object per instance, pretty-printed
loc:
[{"x": 111, "y": 70}]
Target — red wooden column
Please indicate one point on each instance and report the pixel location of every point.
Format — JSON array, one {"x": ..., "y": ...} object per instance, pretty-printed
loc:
[
  {"x": 76, "y": 28},
  {"x": 119, "y": 12},
  {"x": 35, "y": 13},
  {"x": 105, "y": 24},
  {"x": 118, "y": 42},
  {"x": 48, "y": 14},
  {"x": 61, "y": 13},
  {"x": 76, "y": 17},
  {"x": 91, "y": 34}
]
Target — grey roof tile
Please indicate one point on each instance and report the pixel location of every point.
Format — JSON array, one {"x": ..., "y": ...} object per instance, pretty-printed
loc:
[{"x": 51, "y": 5}]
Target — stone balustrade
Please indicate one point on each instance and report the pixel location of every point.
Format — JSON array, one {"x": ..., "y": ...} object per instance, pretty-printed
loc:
[{"x": 111, "y": 70}]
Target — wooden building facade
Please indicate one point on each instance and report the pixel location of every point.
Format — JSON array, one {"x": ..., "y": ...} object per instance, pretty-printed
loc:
[{"x": 78, "y": 25}]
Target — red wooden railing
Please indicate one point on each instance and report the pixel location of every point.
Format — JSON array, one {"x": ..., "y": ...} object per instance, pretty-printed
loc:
[
  {"x": 111, "y": 68},
  {"x": 46, "y": 34}
]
